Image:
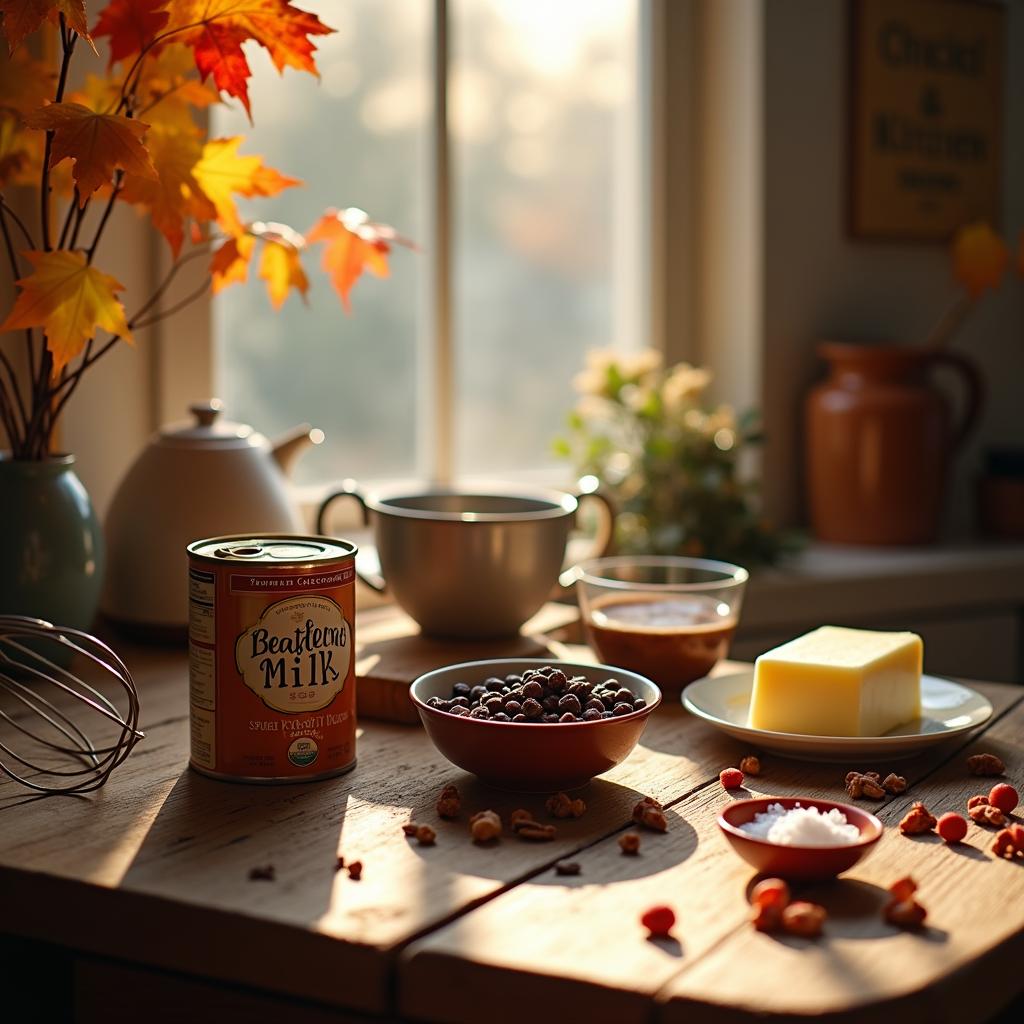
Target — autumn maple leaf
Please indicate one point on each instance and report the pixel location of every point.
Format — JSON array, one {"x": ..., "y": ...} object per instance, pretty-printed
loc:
[
  {"x": 980, "y": 258},
  {"x": 354, "y": 243},
  {"x": 216, "y": 30},
  {"x": 96, "y": 142},
  {"x": 69, "y": 299},
  {"x": 23, "y": 17},
  {"x": 230, "y": 263},
  {"x": 223, "y": 172},
  {"x": 131, "y": 25},
  {"x": 281, "y": 262}
]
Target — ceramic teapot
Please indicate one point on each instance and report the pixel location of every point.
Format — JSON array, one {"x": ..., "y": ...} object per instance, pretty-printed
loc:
[{"x": 200, "y": 478}]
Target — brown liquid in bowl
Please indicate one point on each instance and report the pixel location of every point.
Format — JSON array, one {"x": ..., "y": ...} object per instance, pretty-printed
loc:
[{"x": 672, "y": 640}]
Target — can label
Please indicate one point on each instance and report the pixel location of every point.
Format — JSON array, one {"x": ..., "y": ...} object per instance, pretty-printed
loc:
[{"x": 271, "y": 669}]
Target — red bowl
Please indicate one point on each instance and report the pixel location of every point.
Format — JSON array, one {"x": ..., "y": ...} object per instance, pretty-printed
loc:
[
  {"x": 531, "y": 757},
  {"x": 805, "y": 863}
]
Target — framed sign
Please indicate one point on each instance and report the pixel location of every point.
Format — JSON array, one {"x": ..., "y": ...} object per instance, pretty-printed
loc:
[{"x": 926, "y": 113}]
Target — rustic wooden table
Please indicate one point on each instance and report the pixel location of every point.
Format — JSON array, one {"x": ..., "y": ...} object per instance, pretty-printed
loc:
[{"x": 137, "y": 899}]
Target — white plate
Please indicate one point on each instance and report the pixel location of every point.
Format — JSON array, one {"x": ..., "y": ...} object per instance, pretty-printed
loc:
[{"x": 948, "y": 709}]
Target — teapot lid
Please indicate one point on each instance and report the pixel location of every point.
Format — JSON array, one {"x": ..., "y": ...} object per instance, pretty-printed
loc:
[{"x": 207, "y": 429}]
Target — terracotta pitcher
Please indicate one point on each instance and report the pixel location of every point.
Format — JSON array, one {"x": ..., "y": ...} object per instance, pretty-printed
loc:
[{"x": 879, "y": 440}]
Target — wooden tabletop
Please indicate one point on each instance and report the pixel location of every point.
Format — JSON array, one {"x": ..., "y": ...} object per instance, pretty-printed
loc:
[{"x": 148, "y": 881}]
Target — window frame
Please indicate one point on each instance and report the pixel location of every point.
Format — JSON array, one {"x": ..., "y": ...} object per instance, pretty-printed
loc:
[{"x": 183, "y": 358}]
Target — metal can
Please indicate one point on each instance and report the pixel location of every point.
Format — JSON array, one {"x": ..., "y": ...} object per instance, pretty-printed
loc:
[{"x": 271, "y": 657}]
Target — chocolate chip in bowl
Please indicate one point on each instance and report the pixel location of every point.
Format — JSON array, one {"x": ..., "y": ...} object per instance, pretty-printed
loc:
[{"x": 530, "y": 726}]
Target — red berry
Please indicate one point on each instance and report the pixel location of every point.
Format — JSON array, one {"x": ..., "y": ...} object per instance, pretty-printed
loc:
[
  {"x": 659, "y": 920},
  {"x": 952, "y": 827},
  {"x": 731, "y": 778},
  {"x": 772, "y": 892},
  {"x": 1004, "y": 797}
]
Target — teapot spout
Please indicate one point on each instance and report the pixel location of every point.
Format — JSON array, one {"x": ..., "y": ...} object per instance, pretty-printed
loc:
[{"x": 286, "y": 449}]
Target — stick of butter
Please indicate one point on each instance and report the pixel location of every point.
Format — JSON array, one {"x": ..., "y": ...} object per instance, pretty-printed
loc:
[{"x": 835, "y": 681}]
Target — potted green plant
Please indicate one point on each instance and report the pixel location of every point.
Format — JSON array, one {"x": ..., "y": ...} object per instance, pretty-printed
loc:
[
  {"x": 130, "y": 135},
  {"x": 668, "y": 460}
]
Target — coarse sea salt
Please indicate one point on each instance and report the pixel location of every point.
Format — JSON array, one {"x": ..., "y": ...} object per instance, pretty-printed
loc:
[{"x": 802, "y": 826}]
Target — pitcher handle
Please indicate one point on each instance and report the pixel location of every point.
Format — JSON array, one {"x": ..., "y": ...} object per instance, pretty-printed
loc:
[
  {"x": 350, "y": 489},
  {"x": 605, "y": 539},
  {"x": 975, "y": 392}
]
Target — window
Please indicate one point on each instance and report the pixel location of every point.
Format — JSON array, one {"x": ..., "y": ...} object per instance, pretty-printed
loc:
[{"x": 546, "y": 229}]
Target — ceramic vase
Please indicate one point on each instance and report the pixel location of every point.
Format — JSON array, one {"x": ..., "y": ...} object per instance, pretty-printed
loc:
[{"x": 51, "y": 544}]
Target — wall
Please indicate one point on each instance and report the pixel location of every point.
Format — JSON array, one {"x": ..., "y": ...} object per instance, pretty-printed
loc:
[{"x": 817, "y": 283}]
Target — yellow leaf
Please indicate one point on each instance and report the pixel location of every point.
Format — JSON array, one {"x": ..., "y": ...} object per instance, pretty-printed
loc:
[
  {"x": 230, "y": 263},
  {"x": 281, "y": 268},
  {"x": 222, "y": 173},
  {"x": 980, "y": 258},
  {"x": 69, "y": 299},
  {"x": 96, "y": 142}
]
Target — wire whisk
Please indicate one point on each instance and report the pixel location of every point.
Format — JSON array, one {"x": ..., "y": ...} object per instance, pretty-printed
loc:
[{"x": 51, "y": 702}]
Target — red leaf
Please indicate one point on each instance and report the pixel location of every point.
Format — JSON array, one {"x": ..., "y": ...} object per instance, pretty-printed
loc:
[
  {"x": 216, "y": 29},
  {"x": 131, "y": 25}
]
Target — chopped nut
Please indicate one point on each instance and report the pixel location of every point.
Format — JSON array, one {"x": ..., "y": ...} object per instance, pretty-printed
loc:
[
  {"x": 894, "y": 784},
  {"x": 866, "y": 785},
  {"x": 567, "y": 867},
  {"x": 804, "y": 919},
  {"x": 765, "y": 918},
  {"x": 355, "y": 870},
  {"x": 980, "y": 800},
  {"x": 266, "y": 873},
  {"x": 630, "y": 843},
  {"x": 905, "y": 913},
  {"x": 410, "y": 828},
  {"x": 1003, "y": 845},
  {"x": 484, "y": 826},
  {"x": 449, "y": 803},
  {"x": 535, "y": 831},
  {"x": 985, "y": 764},
  {"x": 561, "y": 805},
  {"x": 986, "y": 814},
  {"x": 518, "y": 816},
  {"x": 425, "y": 835},
  {"x": 770, "y": 892},
  {"x": 917, "y": 820},
  {"x": 850, "y": 776},
  {"x": 648, "y": 812},
  {"x": 750, "y": 765}
]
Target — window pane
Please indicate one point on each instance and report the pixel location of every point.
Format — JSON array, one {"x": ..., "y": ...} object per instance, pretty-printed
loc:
[
  {"x": 356, "y": 138},
  {"x": 545, "y": 130}
]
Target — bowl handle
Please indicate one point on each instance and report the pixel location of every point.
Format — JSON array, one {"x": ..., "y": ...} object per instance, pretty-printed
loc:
[{"x": 350, "y": 489}]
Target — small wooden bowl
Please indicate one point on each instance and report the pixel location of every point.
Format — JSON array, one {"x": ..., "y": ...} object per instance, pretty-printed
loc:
[
  {"x": 803, "y": 863},
  {"x": 530, "y": 757}
]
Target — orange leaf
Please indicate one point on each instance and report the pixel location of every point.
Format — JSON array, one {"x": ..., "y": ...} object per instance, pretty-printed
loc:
[
  {"x": 230, "y": 263},
  {"x": 96, "y": 142},
  {"x": 281, "y": 265},
  {"x": 216, "y": 30},
  {"x": 222, "y": 173},
  {"x": 174, "y": 194},
  {"x": 131, "y": 25},
  {"x": 23, "y": 17},
  {"x": 353, "y": 244},
  {"x": 69, "y": 299},
  {"x": 980, "y": 257}
]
